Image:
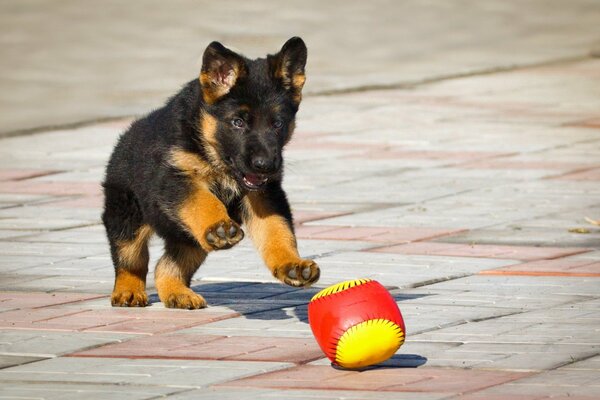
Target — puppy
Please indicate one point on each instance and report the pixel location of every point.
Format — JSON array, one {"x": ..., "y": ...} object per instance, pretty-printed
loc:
[{"x": 198, "y": 168}]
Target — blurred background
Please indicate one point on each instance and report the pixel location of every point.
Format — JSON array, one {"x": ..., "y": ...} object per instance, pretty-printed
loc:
[{"x": 68, "y": 62}]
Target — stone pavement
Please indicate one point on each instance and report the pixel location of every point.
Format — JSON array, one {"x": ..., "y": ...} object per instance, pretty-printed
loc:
[
  {"x": 474, "y": 197},
  {"x": 467, "y": 198},
  {"x": 71, "y": 61}
]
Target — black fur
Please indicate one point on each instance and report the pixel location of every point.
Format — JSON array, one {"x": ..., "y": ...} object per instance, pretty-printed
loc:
[{"x": 255, "y": 120}]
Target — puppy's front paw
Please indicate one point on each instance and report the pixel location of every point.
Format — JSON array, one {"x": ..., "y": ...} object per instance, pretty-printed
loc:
[
  {"x": 129, "y": 298},
  {"x": 223, "y": 235},
  {"x": 299, "y": 273},
  {"x": 185, "y": 299}
]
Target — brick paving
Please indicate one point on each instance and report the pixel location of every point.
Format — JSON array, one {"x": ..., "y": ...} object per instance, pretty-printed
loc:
[{"x": 466, "y": 197}]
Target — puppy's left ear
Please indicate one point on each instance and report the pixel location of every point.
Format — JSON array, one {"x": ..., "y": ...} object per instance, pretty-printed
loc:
[
  {"x": 287, "y": 66},
  {"x": 221, "y": 70}
]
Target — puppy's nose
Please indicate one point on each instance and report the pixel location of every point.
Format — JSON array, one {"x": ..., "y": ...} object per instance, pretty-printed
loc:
[{"x": 264, "y": 164}]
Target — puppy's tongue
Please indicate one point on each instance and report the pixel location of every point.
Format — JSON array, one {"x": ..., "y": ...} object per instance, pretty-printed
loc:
[{"x": 254, "y": 180}]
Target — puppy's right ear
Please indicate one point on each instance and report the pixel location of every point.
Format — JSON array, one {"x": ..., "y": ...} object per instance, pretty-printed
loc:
[{"x": 221, "y": 69}]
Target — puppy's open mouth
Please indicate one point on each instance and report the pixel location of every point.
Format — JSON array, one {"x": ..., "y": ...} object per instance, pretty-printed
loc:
[{"x": 253, "y": 181}]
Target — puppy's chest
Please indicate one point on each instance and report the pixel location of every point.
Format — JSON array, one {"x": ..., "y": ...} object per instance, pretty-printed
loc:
[{"x": 226, "y": 189}]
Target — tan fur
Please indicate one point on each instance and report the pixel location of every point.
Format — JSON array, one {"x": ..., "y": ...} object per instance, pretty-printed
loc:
[
  {"x": 212, "y": 90},
  {"x": 270, "y": 232},
  {"x": 190, "y": 164},
  {"x": 126, "y": 281},
  {"x": 219, "y": 175},
  {"x": 201, "y": 210},
  {"x": 298, "y": 81},
  {"x": 131, "y": 252},
  {"x": 208, "y": 127},
  {"x": 130, "y": 279},
  {"x": 173, "y": 275}
]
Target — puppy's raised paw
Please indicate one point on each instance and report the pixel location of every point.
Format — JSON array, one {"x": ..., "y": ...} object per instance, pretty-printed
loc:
[
  {"x": 223, "y": 234},
  {"x": 301, "y": 273}
]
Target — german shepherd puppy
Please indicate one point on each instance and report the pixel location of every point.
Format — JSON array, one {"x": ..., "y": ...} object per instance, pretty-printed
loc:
[{"x": 196, "y": 169}]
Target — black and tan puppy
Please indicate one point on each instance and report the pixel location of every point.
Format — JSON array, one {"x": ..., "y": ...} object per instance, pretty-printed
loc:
[{"x": 196, "y": 169}]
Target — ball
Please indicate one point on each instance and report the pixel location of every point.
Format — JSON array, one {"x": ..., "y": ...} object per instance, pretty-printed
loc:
[{"x": 356, "y": 323}]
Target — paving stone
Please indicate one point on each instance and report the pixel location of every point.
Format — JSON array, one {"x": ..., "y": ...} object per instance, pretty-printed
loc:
[
  {"x": 557, "y": 384},
  {"x": 59, "y": 250},
  {"x": 17, "y": 300},
  {"x": 51, "y": 188},
  {"x": 14, "y": 234},
  {"x": 508, "y": 286},
  {"x": 206, "y": 347},
  {"x": 48, "y": 344},
  {"x": 172, "y": 373},
  {"x": 10, "y": 361},
  {"x": 66, "y": 391},
  {"x": 482, "y": 251},
  {"x": 279, "y": 323},
  {"x": 124, "y": 320},
  {"x": 592, "y": 174},
  {"x": 560, "y": 267},
  {"x": 399, "y": 270},
  {"x": 21, "y": 174},
  {"x": 434, "y": 380},
  {"x": 377, "y": 234},
  {"x": 227, "y": 393},
  {"x": 491, "y": 169}
]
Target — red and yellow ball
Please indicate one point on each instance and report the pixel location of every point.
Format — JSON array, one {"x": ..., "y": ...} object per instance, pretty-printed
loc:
[{"x": 356, "y": 323}]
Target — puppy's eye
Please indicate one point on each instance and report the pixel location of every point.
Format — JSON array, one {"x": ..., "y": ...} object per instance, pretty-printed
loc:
[
  {"x": 238, "y": 123},
  {"x": 277, "y": 124}
]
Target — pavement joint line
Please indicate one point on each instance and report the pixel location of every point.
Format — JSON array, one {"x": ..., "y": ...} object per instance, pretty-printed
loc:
[
  {"x": 463, "y": 322},
  {"x": 333, "y": 92},
  {"x": 98, "y": 296},
  {"x": 572, "y": 361},
  {"x": 573, "y": 171},
  {"x": 66, "y": 126},
  {"x": 39, "y": 355},
  {"x": 479, "y": 389},
  {"x": 435, "y": 280},
  {"x": 441, "y": 78},
  {"x": 38, "y": 175},
  {"x": 107, "y": 384}
]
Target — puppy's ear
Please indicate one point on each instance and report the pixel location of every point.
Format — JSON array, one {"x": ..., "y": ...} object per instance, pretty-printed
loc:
[
  {"x": 287, "y": 66},
  {"x": 221, "y": 69}
]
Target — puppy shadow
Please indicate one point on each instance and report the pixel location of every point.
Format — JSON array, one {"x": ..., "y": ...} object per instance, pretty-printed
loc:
[
  {"x": 274, "y": 301},
  {"x": 396, "y": 361},
  {"x": 267, "y": 301}
]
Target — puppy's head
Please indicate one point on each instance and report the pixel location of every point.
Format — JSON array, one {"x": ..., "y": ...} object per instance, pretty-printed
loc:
[{"x": 249, "y": 108}]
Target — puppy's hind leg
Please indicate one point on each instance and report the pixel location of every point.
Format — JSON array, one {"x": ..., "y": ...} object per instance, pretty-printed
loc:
[
  {"x": 128, "y": 237},
  {"x": 174, "y": 272}
]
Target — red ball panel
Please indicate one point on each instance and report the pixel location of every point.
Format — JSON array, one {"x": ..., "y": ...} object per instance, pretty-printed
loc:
[{"x": 332, "y": 315}]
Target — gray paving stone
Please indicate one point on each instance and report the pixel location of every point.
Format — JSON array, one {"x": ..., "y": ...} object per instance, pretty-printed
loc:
[
  {"x": 558, "y": 383},
  {"x": 28, "y": 224},
  {"x": 592, "y": 364},
  {"x": 398, "y": 158},
  {"x": 285, "y": 322},
  {"x": 18, "y": 199},
  {"x": 47, "y": 344},
  {"x": 508, "y": 286},
  {"x": 64, "y": 250},
  {"x": 7, "y": 360},
  {"x": 249, "y": 393},
  {"x": 65, "y": 391},
  {"x": 400, "y": 270},
  {"x": 22, "y": 262},
  {"x": 13, "y": 234},
  {"x": 49, "y": 283},
  {"x": 174, "y": 373}
]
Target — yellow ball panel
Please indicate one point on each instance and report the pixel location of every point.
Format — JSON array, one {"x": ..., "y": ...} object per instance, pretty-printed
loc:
[
  {"x": 339, "y": 287},
  {"x": 368, "y": 343}
]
